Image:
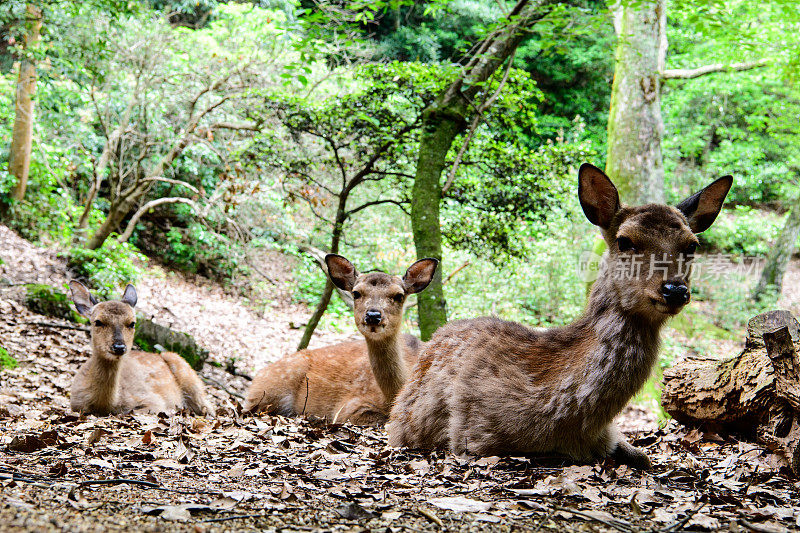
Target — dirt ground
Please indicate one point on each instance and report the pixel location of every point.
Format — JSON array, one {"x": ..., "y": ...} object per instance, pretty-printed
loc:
[{"x": 63, "y": 472}]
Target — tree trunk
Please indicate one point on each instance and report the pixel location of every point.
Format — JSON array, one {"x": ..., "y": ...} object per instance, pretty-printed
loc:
[
  {"x": 313, "y": 322},
  {"x": 756, "y": 393},
  {"x": 325, "y": 299},
  {"x": 116, "y": 214},
  {"x": 441, "y": 123},
  {"x": 121, "y": 206},
  {"x": 100, "y": 169},
  {"x": 19, "y": 160},
  {"x": 439, "y": 134},
  {"x": 779, "y": 255},
  {"x": 635, "y": 126}
]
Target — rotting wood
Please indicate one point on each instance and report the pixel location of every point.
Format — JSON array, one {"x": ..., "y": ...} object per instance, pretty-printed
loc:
[{"x": 756, "y": 392}]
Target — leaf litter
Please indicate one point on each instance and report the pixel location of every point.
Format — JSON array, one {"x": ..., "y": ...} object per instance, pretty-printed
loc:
[{"x": 61, "y": 470}]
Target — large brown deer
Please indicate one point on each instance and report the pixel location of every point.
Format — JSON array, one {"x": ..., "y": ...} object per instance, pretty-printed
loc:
[
  {"x": 351, "y": 381},
  {"x": 487, "y": 387},
  {"x": 116, "y": 379}
]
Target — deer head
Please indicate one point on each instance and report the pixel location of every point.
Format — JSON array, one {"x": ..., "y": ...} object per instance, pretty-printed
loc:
[
  {"x": 112, "y": 324},
  {"x": 650, "y": 247},
  {"x": 379, "y": 298}
]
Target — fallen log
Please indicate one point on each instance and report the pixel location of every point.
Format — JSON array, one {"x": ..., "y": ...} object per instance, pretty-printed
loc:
[{"x": 756, "y": 392}]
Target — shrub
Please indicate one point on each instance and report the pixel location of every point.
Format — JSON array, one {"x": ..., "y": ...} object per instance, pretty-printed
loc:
[
  {"x": 107, "y": 267},
  {"x": 743, "y": 230},
  {"x": 199, "y": 250}
]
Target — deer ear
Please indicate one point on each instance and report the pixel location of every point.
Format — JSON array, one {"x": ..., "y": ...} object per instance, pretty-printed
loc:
[
  {"x": 129, "y": 296},
  {"x": 82, "y": 298},
  {"x": 419, "y": 275},
  {"x": 341, "y": 271},
  {"x": 701, "y": 208},
  {"x": 599, "y": 198}
]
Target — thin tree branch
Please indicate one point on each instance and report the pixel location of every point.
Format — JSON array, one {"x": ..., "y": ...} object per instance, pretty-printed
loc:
[
  {"x": 146, "y": 207},
  {"x": 174, "y": 182},
  {"x": 365, "y": 205},
  {"x": 691, "y": 73},
  {"x": 476, "y": 122}
]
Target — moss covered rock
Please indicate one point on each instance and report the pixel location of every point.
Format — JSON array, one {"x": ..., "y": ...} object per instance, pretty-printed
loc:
[
  {"x": 46, "y": 300},
  {"x": 153, "y": 337}
]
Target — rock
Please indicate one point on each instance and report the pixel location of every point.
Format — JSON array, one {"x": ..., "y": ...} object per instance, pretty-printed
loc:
[
  {"x": 48, "y": 301},
  {"x": 153, "y": 337}
]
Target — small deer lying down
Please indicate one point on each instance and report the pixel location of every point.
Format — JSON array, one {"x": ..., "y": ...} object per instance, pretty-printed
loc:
[
  {"x": 351, "y": 381},
  {"x": 117, "y": 380},
  {"x": 489, "y": 387}
]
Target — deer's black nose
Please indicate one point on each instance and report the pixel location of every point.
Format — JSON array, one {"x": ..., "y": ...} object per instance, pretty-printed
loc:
[
  {"x": 675, "y": 294},
  {"x": 372, "y": 318},
  {"x": 118, "y": 348}
]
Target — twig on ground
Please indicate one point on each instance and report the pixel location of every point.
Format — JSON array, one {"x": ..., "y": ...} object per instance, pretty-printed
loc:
[
  {"x": 756, "y": 527},
  {"x": 20, "y": 479},
  {"x": 263, "y": 275},
  {"x": 142, "y": 483},
  {"x": 119, "y": 481}
]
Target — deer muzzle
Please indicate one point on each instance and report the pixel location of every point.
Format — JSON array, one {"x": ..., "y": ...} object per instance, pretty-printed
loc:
[{"x": 675, "y": 294}]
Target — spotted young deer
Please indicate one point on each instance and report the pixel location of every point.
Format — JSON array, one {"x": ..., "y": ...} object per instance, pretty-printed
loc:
[
  {"x": 350, "y": 381},
  {"x": 487, "y": 387},
  {"x": 116, "y": 379}
]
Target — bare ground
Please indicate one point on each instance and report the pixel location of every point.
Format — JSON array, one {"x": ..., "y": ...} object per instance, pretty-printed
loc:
[{"x": 60, "y": 471}]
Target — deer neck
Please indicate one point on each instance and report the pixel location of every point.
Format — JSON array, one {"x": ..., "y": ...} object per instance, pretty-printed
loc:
[
  {"x": 388, "y": 366},
  {"x": 620, "y": 361},
  {"x": 102, "y": 376}
]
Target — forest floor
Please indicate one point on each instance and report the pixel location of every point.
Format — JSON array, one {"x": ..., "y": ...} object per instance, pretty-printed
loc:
[{"x": 61, "y": 471}]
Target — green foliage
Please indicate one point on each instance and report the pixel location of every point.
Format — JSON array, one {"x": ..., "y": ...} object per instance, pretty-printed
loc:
[
  {"x": 200, "y": 250},
  {"x": 743, "y": 125},
  {"x": 107, "y": 268},
  {"x": 309, "y": 284},
  {"x": 6, "y": 360},
  {"x": 569, "y": 57},
  {"x": 503, "y": 204},
  {"x": 743, "y": 230}
]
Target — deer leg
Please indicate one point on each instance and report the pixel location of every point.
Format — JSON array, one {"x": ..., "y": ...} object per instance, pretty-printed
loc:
[
  {"x": 189, "y": 382},
  {"x": 623, "y": 451}
]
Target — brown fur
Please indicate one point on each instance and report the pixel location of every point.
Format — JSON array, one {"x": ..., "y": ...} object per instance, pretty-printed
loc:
[
  {"x": 352, "y": 381},
  {"x": 486, "y": 386},
  {"x": 112, "y": 383}
]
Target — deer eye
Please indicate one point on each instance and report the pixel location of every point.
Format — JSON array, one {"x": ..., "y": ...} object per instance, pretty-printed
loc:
[
  {"x": 625, "y": 244},
  {"x": 691, "y": 249},
  {"x": 356, "y": 295},
  {"x": 398, "y": 297},
  {"x": 132, "y": 325},
  {"x": 99, "y": 324}
]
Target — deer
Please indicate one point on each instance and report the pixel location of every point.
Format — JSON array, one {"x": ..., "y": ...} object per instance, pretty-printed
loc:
[
  {"x": 116, "y": 379},
  {"x": 486, "y": 386},
  {"x": 353, "y": 381}
]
